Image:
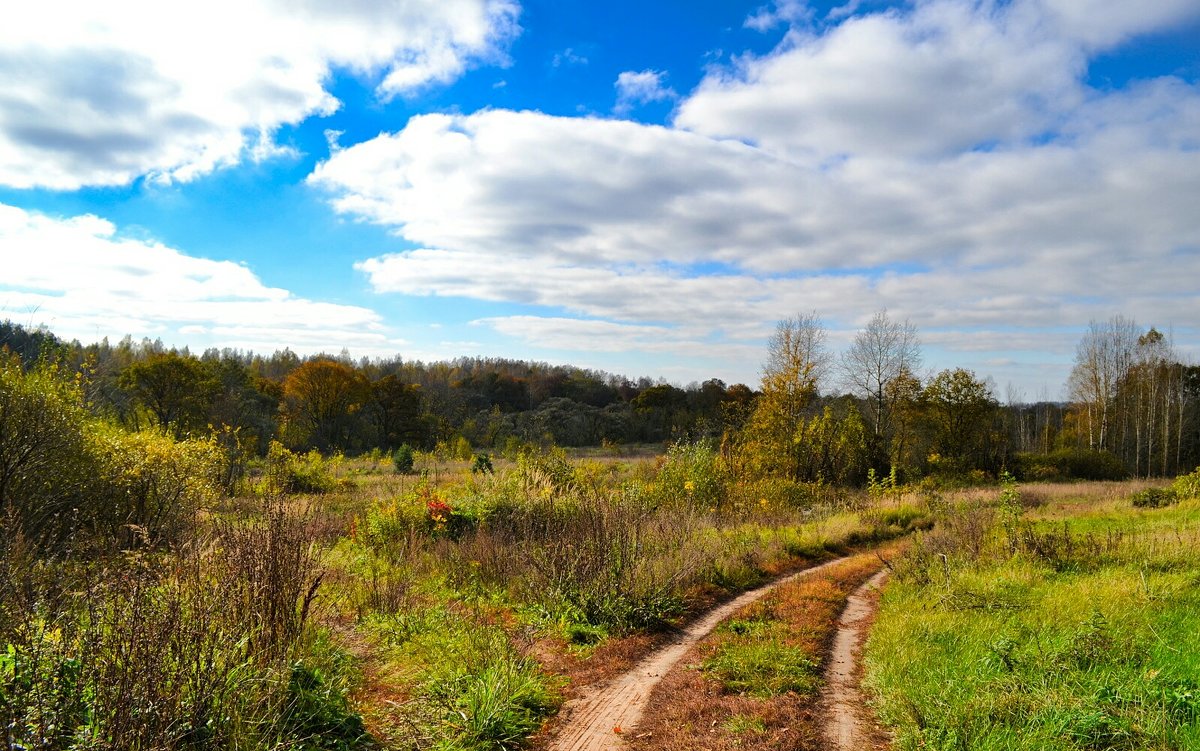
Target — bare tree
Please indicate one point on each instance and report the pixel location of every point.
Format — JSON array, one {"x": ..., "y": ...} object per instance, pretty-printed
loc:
[
  {"x": 882, "y": 352},
  {"x": 1103, "y": 357},
  {"x": 797, "y": 349}
]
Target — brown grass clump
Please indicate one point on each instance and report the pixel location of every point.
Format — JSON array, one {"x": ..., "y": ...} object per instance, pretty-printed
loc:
[{"x": 691, "y": 709}]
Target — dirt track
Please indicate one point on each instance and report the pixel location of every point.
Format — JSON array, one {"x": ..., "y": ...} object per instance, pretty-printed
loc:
[
  {"x": 597, "y": 720},
  {"x": 847, "y": 727}
]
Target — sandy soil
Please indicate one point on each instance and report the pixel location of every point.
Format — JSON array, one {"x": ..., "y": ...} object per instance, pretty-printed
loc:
[{"x": 849, "y": 725}]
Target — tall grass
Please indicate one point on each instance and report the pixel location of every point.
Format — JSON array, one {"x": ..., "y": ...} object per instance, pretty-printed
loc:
[{"x": 200, "y": 648}]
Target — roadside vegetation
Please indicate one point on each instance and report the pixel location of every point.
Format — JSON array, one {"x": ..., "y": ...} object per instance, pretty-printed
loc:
[{"x": 1052, "y": 618}]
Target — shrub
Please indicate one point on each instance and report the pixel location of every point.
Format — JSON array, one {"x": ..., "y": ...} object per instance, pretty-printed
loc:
[
  {"x": 63, "y": 472},
  {"x": 288, "y": 472},
  {"x": 44, "y": 463},
  {"x": 403, "y": 459},
  {"x": 444, "y": 520},
  {"x": 692, "y": 474},
  {"x": 149, "y": 484},
  {"x": 1070, "y": 464},
  {"x": 1187, "y": 486},
  {"x": 1154, "y": 498},
  {"x": 482, "y": 465}
]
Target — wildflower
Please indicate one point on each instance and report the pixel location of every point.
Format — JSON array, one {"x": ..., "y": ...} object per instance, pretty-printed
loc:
[{"x": 689, "y": 486}]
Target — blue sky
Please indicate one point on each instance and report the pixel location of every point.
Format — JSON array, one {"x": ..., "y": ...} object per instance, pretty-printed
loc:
[{"x": 643, "y": 188}]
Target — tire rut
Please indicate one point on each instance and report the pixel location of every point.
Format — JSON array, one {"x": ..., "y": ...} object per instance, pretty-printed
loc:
[
  {"x": 597, "y": 720},
  {"x": 848, "y": 724}
]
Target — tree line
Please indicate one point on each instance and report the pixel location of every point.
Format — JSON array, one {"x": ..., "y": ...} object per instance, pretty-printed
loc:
[{"x": 815, "y": 416}]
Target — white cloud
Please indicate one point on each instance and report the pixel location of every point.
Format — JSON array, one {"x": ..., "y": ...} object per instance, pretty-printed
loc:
[
  {"x": 948, "y": 162},
  {"x": 101, "y": 93},
  {"x": 779, "y": 12},
  {"x": 568, "y": 57},
  {"x": 641, "y": 87},
  {"x": 85, "y": 281},
  {"x": 947, "y": 77}
]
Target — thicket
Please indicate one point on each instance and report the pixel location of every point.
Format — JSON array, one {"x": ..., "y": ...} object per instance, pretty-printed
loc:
[
  {"x": 69, "y": 478},
  {"x": 135, "y": 611}
]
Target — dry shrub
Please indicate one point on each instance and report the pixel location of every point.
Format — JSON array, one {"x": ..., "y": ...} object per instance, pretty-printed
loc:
[{"x": 156, "y": 650}]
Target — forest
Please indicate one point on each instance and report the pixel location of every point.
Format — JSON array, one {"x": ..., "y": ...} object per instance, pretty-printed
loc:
[{"x": 1134, "y": 406}]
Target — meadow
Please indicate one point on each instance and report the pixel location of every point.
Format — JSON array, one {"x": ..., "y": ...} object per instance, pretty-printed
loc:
[
  {"x": 1054, "y": 617},
  {"x": 172, "y": 579},
  {"x": 338, "y": 604}
]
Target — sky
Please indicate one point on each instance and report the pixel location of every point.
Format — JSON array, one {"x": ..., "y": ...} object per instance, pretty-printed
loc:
[{"x": 643, "y": 188}]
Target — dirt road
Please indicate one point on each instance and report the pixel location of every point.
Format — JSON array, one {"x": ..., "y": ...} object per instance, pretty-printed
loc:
[
  {"x": 847, "y": 726},
  {"x": 599, "y": 719}
]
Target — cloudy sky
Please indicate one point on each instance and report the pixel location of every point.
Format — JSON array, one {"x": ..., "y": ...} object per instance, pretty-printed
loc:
[{"x": 639, "y": 187}]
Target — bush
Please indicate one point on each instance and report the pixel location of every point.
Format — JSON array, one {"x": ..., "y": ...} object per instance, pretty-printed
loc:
[
  {"x": 288, "y": 472},
  {"x": 1154, "y": 498},
  {"x": 1187, "y": 486},
  {"x": 692, "y": 475},
  {"x": 44, "y": 463},
  {"x": 403, "y": 460},
  {"x": 63, "y": 471},
  {"x": 149, "y": 484},
  {"x": 1070, "y": 464},
  {"x": 482, "y": 464}
]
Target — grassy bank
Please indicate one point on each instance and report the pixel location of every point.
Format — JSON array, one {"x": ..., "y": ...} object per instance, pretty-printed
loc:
[{"x": 1074, "y": 624}]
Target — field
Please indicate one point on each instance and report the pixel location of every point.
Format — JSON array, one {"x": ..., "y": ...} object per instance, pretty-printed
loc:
[
  {"x": 450, "y": 608},
  {"x": 1065, "y": 618}
]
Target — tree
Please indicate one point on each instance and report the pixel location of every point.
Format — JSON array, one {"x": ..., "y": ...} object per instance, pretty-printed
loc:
[
  {"x": 959, "y": 410},
  {"x": 396, "y": 410},
  {"x": 661, "y": 407},
  {"x": 321, "y": 401},
  {"x": 1102, "y": 359},
  {"x": 796, "y": 361},
  {"x": 884, "y": 351},
  {"x": 176, "y": 389}
]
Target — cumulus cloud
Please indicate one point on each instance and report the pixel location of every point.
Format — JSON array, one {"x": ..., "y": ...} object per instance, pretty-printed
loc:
[
  {"x": 946, "y": 77},
  {"x": 641, "y": 87},
  {"x": 948, "y": 162},
  {"x": 102, "y": 93},
  {"x": 81, "y": 278}
]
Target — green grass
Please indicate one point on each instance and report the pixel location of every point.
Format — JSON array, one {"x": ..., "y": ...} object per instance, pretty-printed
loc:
[
  {"x": 1077, "y": 630},
  {"x": 762, "y": 666}
]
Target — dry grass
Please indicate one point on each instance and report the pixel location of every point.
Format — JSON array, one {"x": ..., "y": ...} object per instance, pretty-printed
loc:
[{"x": 690, "y": 709}]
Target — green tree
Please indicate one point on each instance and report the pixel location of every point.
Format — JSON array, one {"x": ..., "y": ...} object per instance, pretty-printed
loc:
[
  {"x": 177, "y": 390},
  {"x": 959, "y": 411},
  {"x": 396, "y": 409},
  {"x": 796, "y": 361}
]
